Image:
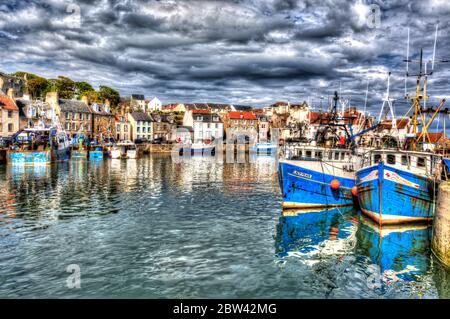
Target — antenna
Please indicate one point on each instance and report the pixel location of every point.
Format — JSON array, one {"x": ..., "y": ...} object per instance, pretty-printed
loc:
[
  {"x": 365, "y": 101},
  {"x": 407, "y": 55},
  {"x": 434, "y": 48}
]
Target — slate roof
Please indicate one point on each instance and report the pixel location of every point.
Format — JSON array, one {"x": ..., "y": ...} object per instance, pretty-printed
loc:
[
  {"x": 207, "y": 117},
  {"x": 74, "y": 106},
  {"x": 243, "y": 107},
  {"x": 141, "y": 116},
  {"x": 138, "y": 97}
]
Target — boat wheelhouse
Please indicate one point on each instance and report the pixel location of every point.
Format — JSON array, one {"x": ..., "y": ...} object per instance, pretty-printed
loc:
[
  {"x": 397, "y": 186},
  {"x": 313, "y": 177}
]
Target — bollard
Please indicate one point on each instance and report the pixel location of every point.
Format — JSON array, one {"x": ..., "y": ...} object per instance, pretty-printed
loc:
[{"x": 440, "y": 242}]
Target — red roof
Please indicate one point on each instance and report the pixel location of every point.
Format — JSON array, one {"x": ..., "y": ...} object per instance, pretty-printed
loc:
[
  {"x": 434, "y": 137},
  {"x": 400, "y": 123},
  {"x": 7, "y": 103},
  {"x": 201, "y": 111},
  {"x": 317, "y": 117},
  {"x": 241, "y": 115},
  {"x": 169, "y": 106}
]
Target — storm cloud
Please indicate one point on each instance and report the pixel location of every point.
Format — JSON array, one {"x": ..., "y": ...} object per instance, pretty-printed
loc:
[{"x": 242, "y": 51}]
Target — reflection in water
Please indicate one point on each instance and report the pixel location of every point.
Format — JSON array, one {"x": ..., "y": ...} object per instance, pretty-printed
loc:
[
  {"x": 304, "y": 233},
  {"x": 399, "y": 252},
  {"x": 154, "y": 228}
]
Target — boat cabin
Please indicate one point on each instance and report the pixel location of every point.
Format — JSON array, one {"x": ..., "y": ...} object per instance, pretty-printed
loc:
[
  {"x": 416, "y": 162},
  {"x": 319, "y": 153}
]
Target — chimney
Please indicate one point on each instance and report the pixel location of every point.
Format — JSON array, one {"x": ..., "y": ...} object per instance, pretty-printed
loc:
[
  {"x": 52, "y": 99},
  {"x": 10, "y": 93},
  {"x": 85, "y": 99}
]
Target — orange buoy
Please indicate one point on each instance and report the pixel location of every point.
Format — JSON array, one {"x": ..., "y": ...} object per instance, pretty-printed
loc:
[
  {"x": 355, "y": 191},
  {"x": 335, "y": 184}
]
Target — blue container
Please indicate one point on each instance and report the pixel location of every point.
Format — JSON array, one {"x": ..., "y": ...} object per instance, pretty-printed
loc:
[
  {"x": 305, "y": 188},
  {"x": 96, "y": 154},
  {"x": 389, "y": 195}
]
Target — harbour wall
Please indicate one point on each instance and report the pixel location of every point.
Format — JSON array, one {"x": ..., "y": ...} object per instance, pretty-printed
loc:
[{"x": 440, "y": 242}]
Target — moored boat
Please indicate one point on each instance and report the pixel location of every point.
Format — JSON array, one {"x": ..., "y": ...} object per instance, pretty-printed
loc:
[
  {"x": 317, "y": 177},
  {"x": 39, "y": 146},
  {"x": 396, "y": 186}
]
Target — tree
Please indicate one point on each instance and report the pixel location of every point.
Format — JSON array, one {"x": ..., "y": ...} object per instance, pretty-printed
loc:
[
  {"x": 83, "y": 88},
  {"x": 37, "y": 86},
  {"x": 107, "y": 93},
  {"x": 65, "y": 87}
]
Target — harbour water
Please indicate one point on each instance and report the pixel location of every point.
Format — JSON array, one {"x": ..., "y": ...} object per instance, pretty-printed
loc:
[{"x": 152, "y": 228}]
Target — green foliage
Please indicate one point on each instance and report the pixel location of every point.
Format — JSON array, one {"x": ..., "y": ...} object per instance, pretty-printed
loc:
[
  {"x": 65, "y": 87},
  {"x": 107, "y": 93},
  {"x": 83, "y": 88},
  {"x": 37, "y": 86}
]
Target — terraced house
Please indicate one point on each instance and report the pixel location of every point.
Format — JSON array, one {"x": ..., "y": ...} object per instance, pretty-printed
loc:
[
  {"x": 141, "y": 126},
  {"x": 103, "y": 121},
  {"x": 9, "y": 116},
  {"x": 163, "y": 126}
]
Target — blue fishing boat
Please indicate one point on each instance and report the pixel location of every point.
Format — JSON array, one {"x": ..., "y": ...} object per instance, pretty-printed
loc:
[
  {"x": 315, "y": 177},
  {"x": 398, "y": 186},
  {"x": 401, "y": 252}
]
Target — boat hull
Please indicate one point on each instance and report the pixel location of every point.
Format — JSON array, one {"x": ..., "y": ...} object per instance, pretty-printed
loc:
[
  {"x": 308, "y": 188},
  {"x": 29, "y": 158},
  {"x": 389, "y": 195}
]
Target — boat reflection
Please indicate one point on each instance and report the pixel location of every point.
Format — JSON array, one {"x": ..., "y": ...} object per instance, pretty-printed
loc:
[
  {"x": 400, "y": 252},
  {"x": 308, "y": 233}
]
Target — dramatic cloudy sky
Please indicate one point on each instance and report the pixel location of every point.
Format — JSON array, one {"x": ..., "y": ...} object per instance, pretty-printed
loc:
[{"x": 241, "y": 51}]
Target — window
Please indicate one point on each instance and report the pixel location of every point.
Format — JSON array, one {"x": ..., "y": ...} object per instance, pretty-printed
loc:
[
  {"x": 81, "y": 116},
  {"x": 67, "y": 116},
  {"x": 208, "y": 125},
  {"x": 319, "y": 155},
  {"x": 391, "y": 159},
  {"x": 138, "y": 129},
  {"x": 67, "y": 127},
  {"x": 10, "y": 127},
  {"x": 336, "y": 156},
  {"x": 308, "y": 154},
  {"x": 74, "y": 116},
  {"x": 420, "y": 162},
  {"x": 377, "y": 158},
  {"x": 406, "y": 160},
  {"x": 144, "y": 130},
  {"x": 118, "y": 128},
  {"x": 125, "y": 127},
  {"x": 299, "y": 153},
  {"x": 10, "y": 113},
  {"x": 217, "y": 125},
  {"x": 74, "y": 126},
  {"x": 342, "y": 156},
  {"x": 330, "y": 155},
  {"x": 199, "y": 118}
]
